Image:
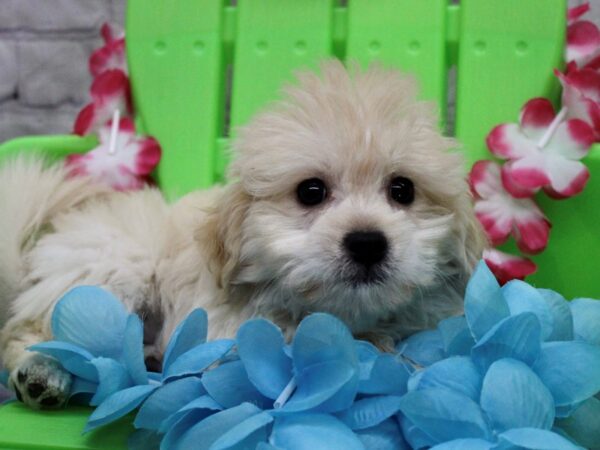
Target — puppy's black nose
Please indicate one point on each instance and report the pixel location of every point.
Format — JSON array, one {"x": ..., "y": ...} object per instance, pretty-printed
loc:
[{"x": 366, "y": 247}]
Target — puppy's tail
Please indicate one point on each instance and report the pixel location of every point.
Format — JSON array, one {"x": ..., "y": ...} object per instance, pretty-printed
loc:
[{"x": 31, "y": 194}]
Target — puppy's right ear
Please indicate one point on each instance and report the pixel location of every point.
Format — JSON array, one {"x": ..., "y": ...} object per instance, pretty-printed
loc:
[{"x": 220, "y": 236}]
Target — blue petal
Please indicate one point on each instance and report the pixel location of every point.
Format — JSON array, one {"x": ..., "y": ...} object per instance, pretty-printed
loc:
[
  {"x": 586, "y": 317},
  {"x": 188, "y": 334},
  {"x": 456, "y": 336},
  {"x": 516, "y": 337},
  {"x": 484, "y": 303},
  {"x": 322, "y": 338},
  {"x": 118, "y": 405},
  {"x": 444, "y": 415},
  {"x": 385, "y": 436},
  {"x": 261, "y": 345},
  {"x": 247, "y": 434},
  {"x": 200, "y": 408},
  {"x": 313, "y": 432},
  {"x": 457, "y": 374},
  {"x": 322, "y": 383},
  {"x": 571, "y": 370},
  {"x": 144, "y": 440},
  {"x": 91, "y": 318},
  {"x": 229, "y": 385},
  {"x": 387, "y": 376},
  {"x": 514, "y": 397},
  {"x": 423, "y": 348},
  {"x": 73, "y": 358},
  {"x": 534, "y": 439},
  {"x": 522, "y": 297},
  {"x": 198, "y": 359},
  {"x": 167, "y": 400},
  {"x": 561, "y": 312},
  {"x": 112, "y": 377},
  {"x": 370, "y": 412},
  {"x": 465, "y": 444},
  {"x": 81, "y": 386},
  {"x": 133, "y": 350},
  {"x": 202, "y": 435},
  {"x": 584, "y": 424},
  {"x": 415, "y": 436},
  {"x": 181, "y": 423}
]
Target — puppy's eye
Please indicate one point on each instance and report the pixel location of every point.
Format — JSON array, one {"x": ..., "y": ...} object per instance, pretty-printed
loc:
[
  {"x": 402, "y": 190},
  {"x": 311, "y": 192}
]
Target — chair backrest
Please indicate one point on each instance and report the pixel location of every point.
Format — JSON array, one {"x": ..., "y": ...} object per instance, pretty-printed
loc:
[{"x": 200, "y": 68}]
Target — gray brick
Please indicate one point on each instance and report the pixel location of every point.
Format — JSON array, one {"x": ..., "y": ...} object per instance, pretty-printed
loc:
[
  {"x": 19, "y": 120},
  {"x": 52, "y": 15},
  {"x": 8, "y": 69},
  {"x": 54, "y": 72}
]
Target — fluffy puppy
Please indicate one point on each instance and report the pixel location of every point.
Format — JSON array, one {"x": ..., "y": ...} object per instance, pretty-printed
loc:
[{"x": 344, "y": 198}]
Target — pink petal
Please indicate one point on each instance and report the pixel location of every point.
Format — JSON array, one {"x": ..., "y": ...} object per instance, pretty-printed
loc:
[
  {"x": 496, "y": 229},
  {"x": 536, "y": 115},
  {"x": 528, "y": 172},
  {"x": 576, "y": 12},
  {"x": 109, "y": 57},
  {"x": 514, "y": 188},
  {"x": 583, "y": 39},
  {"x": 483, "y": 178},
  {"x": 571, "y": 140},
  {"x": 568, "y": 178},
  {"x": 532, "y": 235},
  {"x": 84, "y": 120},
  {"x": 585, "y": 81},
  {"x": 508, "y": 267},
  {"x": 148, "y": 156},
  {"x": 508, "y": 142},
  {"x": 110, "y": 91},
  {"x": 110, "y": 84}
]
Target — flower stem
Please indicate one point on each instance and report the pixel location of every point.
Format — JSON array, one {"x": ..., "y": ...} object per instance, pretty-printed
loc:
[
  {"x": 285, "y": 394},
  {"x": 552, "y": 128},
  {"x": 114, "y": 131}
]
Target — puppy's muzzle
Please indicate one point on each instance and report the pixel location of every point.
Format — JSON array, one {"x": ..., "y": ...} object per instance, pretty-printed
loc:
[{"x": 366, "y": 248}]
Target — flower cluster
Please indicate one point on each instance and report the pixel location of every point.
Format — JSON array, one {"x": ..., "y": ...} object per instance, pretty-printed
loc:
[
  {"x": 543, "y": 152},
  {"x": 519, "y": 370},
  {"x": 123, "y": 160}
]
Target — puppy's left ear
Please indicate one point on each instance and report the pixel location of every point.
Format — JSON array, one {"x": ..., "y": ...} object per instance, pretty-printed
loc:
[
  {"x": 220, "y": 236},
  {"x": 470, "y": 239}
]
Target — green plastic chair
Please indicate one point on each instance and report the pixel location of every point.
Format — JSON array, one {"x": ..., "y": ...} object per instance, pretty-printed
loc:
[{"x": 185, "y": 55}]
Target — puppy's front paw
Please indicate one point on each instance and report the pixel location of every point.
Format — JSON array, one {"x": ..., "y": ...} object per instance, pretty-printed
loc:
[{"x": 41, "y": 382}]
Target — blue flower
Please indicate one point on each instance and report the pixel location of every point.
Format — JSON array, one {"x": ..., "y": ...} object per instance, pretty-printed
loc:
[
  {"x": 186, "y": 358},
  {"x": 521, "y": 372},
  {"x": 98, "y": 342}
]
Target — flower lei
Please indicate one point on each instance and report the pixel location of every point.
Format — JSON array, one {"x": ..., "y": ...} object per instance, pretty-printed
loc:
[
  {"x": 123, "y": 159},
  {"x": 520, "y": 370},
  {"x": 542, "y": 153}
]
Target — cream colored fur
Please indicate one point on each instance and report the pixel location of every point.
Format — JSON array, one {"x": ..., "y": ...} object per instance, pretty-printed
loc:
[{"x": 250, "y": 248}]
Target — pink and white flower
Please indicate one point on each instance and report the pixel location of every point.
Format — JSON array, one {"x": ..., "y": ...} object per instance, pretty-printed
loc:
[
  {"x": 543, "y": 152},
  {"x": 576, "y": 12},
  {"x": 111, "y": 55},
  {"x": 581, "y": 95},
  {"x": 502, "y": 215},
  {"x": 508, "y": 267},
  {"x": 110, "y": 91},
  {"x": 127, "y": 165},
  {"x": 583, "y": 37}
]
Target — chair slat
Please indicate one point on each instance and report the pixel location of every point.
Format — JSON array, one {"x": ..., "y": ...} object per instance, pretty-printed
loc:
[
  {"x": 274, "y": 38},
  {"x": 507, "y": 51},
  {"x": 176, "y": 62},
  {"x": 406, "y": 34}
]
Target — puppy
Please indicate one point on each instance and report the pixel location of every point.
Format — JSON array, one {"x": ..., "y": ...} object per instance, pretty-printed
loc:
[{"x": 343, "y": 198}]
